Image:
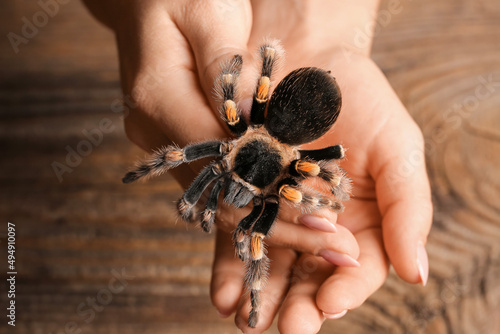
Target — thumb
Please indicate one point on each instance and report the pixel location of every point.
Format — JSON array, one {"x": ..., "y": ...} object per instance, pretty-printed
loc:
[{"x": 216, "y": 31}]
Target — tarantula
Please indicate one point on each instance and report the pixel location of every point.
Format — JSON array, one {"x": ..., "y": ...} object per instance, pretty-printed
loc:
[{"x": 264, "y": 163}]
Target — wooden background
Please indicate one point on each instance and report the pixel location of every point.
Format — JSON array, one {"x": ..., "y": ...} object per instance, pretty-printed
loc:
[{"x": 72, "y": 234}]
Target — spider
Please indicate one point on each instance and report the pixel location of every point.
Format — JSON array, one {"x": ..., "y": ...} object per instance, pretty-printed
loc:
[{"x": 264, "y": 164}]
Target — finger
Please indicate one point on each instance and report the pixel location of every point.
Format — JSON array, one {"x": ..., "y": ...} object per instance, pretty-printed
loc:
[
  {"x": 216, "y": 31},
  {"x": 404, "y": 198},
  {"x": 161, "y": 81},
  {"x": 348, "y": 288},
  {"x": 150, "y": 140},
  {"x": 339, "y": 248},
  {"x": 135, "y": 123},
  {"x": 273, "y": 293},
  {"x": 162, "y": 85},
  {"x": 321, "y": 220},
  {"x": 299, "y": 313},
  {"x": 226, "y": 285},
  {"x": 360, "y": 214}
]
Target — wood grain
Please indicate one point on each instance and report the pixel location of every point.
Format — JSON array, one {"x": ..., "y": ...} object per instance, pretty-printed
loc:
[{"x": 71, "y": 235}]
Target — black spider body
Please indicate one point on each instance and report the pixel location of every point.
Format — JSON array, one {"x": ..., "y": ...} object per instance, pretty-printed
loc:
[
  {"x": 264, "y": 164},
  {"x": 303, "y": 107},
  {"x": 258, "y": 163}
]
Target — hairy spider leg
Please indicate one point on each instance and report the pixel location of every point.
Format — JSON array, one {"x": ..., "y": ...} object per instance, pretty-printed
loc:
[
  {"x": 240, "y": 236},
  {"x": 339, "y": 185},
  {"x": 186, "y": 203},
  {"x": 269, "y": 55},
  {"x": 258, "y": 262},
  {"x": 169, "y": 157},
  {"x": 226, "y": 88},
  {"x": 237, "y": 194},
  {"x": 289, "y": 190},
  {"x": 208, "y": 215},
  {"x": 335, "y": 152}
]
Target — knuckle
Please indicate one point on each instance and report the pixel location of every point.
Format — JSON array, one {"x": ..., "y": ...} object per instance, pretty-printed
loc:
[{"x": 332, "y": 299}]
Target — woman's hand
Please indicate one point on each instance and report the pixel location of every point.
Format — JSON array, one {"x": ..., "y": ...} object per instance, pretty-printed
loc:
[
  {"x": 391, "y": 211},
  {"x": 389, "y": 214},
  {"x": 170, "y": 54}
]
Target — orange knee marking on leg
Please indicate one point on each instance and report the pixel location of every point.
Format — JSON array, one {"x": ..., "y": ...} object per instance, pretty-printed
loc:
[
  {"x": 307, "y": 168},
  {"x": 231, "y": 112},
  {"x": 290, "y": 193},
  {"x": 263, "y": 90},
  {"x": 256, "y": 248},
  {"x": 174, "y": 155}
]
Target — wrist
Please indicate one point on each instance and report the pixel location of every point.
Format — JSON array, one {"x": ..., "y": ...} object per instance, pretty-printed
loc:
[
  {"x": 346, "y": 25},
  {"x": 308, "y": 28},
  {"x": 103, "y": 11},
  {"x": 118, "y": 15}
]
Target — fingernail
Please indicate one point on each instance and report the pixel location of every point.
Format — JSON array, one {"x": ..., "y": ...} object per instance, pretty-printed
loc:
[
  {"x": 422, "y": 263},
  {"x": 318, "y": 223},
  {"x": 338, "y": 259},
  {"x": 334, "y": 315}
]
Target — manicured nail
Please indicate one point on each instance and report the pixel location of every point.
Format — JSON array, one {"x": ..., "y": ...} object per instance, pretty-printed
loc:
[
  {"x": 422, "y": 263},
  {"x": 338, "y": 259},
  {"x": 318, "y": 223},
  {"x": 334, "y": 315}
]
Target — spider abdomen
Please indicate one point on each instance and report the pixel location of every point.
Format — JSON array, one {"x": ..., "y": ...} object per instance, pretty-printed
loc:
[
  {"x": 258, "y": 163},
  {"x": 304, "y": 106}
]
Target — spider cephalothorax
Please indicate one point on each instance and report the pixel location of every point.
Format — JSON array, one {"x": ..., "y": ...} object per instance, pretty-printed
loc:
[{"x": 264, "y": 164}]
